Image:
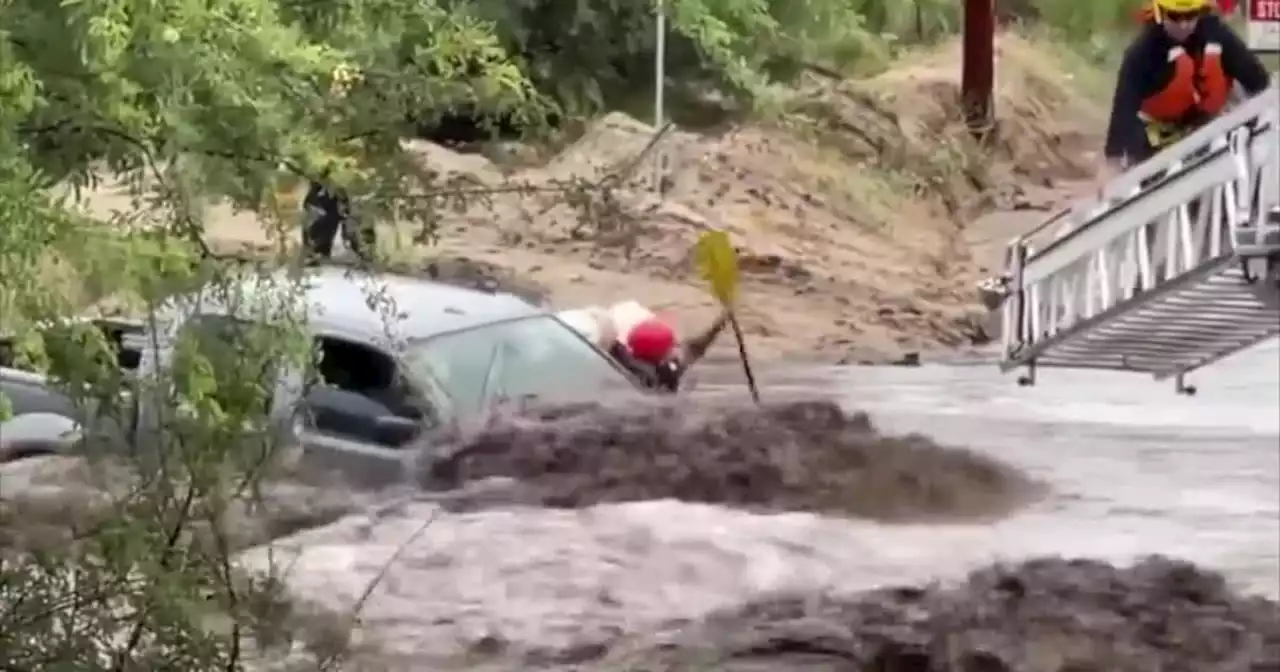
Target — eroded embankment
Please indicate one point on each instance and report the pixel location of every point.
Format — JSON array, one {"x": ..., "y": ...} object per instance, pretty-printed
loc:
[{"x": 856, "y": 210}]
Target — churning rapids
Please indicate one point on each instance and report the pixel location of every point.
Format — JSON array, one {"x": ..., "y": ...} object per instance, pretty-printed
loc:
[
  {"x": 805, "y": 538},
  {"x": 1087, "y": 465}
]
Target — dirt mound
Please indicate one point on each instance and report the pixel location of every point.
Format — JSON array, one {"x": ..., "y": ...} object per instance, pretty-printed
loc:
[
  {"x": 1043, "y": 615},
  {"x": 910, "y": 117},
  {"x": 852, "y": 208},
  {"x": 800, "y": 456},
  {"x": 849, "y": 213}
]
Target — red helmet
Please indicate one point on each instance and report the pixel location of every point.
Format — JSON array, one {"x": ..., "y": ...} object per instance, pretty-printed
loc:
[{"x": 651, "y": 340}]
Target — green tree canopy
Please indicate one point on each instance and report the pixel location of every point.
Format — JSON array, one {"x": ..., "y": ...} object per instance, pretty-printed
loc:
[
  {"x": 188, "y": 101},
  {"x": 185, "y": 102}
]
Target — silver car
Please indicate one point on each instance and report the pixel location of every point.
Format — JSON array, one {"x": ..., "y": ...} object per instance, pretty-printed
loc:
[{"x": 402, "y": 362}]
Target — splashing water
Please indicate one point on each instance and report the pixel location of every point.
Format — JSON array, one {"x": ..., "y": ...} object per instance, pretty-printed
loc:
[{"x": 505, "y": 580}]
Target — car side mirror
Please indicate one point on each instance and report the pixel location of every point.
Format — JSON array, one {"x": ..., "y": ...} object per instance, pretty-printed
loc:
[{"x": 394, "y": 430}]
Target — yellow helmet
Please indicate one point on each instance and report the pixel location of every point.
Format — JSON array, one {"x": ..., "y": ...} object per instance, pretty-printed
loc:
[{"x": 1181, "y": 6}]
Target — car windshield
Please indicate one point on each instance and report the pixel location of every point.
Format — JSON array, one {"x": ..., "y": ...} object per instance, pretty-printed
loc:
[{"x": 536, "y": 358}]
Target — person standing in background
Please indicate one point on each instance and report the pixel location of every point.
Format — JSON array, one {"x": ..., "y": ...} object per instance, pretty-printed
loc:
[
  {"x": 326, "y": 209},
  {"x": 327, "y": 214}
]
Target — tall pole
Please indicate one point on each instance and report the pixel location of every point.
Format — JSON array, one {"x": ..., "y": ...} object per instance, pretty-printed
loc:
[
  {"x": 977, "y": 86},
  {"x": 659, "y": 86}
]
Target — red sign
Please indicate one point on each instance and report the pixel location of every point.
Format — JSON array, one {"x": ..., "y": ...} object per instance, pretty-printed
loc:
[{"x": 1264, "y": 10}]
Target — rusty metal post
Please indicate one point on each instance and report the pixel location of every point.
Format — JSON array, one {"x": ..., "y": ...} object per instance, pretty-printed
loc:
[{"x": 978, "y": 68}]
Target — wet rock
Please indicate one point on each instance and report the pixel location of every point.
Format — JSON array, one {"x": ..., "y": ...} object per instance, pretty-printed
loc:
[
  {"x": 993, "y": 291},
  {"x": 907, "y": 359}
]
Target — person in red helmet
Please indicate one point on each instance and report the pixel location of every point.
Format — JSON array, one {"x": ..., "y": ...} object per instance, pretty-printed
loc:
[{"x": 653, "y": 351}]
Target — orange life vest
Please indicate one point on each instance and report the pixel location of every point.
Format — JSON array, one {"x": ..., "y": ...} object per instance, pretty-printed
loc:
[{"x": 1198, "y": 88}]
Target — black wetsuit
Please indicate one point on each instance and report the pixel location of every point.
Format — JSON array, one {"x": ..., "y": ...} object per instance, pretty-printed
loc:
[
  {"x": 327, "y": 213},
  {"x": 1146, "y": 70},
  {"x": 663, "y": 378}
]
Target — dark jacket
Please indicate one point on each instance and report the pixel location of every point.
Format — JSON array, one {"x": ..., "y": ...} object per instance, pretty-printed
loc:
[
  {"x": 1147, "y": 71},
  {"x": 663, "y": 378},
  {"x": 328, "y": 214}
]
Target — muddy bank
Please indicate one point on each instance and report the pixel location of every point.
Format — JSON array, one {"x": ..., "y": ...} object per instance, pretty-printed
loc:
[
  {"x": 855, "y": 212},
  {"x": 1042, "y": 615},
  {"x": 793, "y": 456},
  {"x": 852, "y": 218}
]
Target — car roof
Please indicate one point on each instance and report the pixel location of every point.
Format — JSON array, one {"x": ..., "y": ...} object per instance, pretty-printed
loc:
[{"x": 368, "y": 305}]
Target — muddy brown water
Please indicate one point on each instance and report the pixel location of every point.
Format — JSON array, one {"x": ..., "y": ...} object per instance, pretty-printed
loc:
[{"x": 1130, "y": 470}]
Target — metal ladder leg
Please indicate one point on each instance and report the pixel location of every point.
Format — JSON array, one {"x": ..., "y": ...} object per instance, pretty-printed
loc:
[
  {"x": 1029, "y": 378},
  {"x": 1181, "y": 386}
]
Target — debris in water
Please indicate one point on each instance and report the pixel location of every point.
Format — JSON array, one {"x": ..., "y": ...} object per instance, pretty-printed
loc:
[
  {"x": 798, "y": 456},
  {"x": 1042, "y": 615}
]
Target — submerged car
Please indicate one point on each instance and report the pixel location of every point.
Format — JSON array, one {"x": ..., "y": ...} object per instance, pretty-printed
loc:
[{"x": 402, "y": 362}]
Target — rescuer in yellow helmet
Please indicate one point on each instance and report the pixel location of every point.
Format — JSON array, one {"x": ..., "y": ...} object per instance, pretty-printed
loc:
[{"x": 1176, "y": 75}]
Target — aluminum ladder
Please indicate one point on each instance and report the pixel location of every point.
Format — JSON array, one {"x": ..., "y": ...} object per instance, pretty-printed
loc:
[{"x": 1173, "y": 267}]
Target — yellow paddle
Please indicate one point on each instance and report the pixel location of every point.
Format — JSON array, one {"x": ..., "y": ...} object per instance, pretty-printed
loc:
[{"x": 718, "y": 264}]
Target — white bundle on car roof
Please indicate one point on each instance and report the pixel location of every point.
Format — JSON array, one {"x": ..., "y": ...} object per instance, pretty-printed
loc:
[{"x": 605, "y": 325}]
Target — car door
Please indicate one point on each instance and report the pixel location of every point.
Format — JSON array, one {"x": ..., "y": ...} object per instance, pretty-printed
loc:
[
  {"x": 219, "y": 339},
  {"x": 360, "y": 415}
]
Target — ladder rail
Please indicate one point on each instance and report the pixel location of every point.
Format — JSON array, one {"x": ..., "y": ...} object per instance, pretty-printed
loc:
[
  {"x": 1078, "y": 214},
  {"x": 1167, "y": 241},
  {"x": 1023, "y": 354},
  {"x": 1131, "y": 213},
  {"x": 1141, "y": 341}
]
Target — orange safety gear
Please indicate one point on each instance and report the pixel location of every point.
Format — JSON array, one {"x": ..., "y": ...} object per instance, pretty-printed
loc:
[{"x": 1198, "y": 87}]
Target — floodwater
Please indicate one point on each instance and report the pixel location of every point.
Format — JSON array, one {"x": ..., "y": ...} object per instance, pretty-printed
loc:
[{"x": 1134, "y": 470}]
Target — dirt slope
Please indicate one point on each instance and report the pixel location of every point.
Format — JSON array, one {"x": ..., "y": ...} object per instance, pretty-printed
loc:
[
  {"x": 854, "y": 215},
  {"x": 851, "y": 218}
]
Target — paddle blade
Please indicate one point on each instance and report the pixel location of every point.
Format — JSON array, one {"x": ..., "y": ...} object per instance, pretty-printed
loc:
[{"x": 718, "y": 264}]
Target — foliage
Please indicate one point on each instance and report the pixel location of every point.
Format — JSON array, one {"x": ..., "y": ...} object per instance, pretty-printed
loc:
[
  {"x": 586, "y": 55},
  {"x": 181, "y": 103},
  {"x": 1087, "y": 21}
]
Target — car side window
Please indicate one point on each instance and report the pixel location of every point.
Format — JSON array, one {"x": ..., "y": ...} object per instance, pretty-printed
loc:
[{"x": 358, "y": 388}]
